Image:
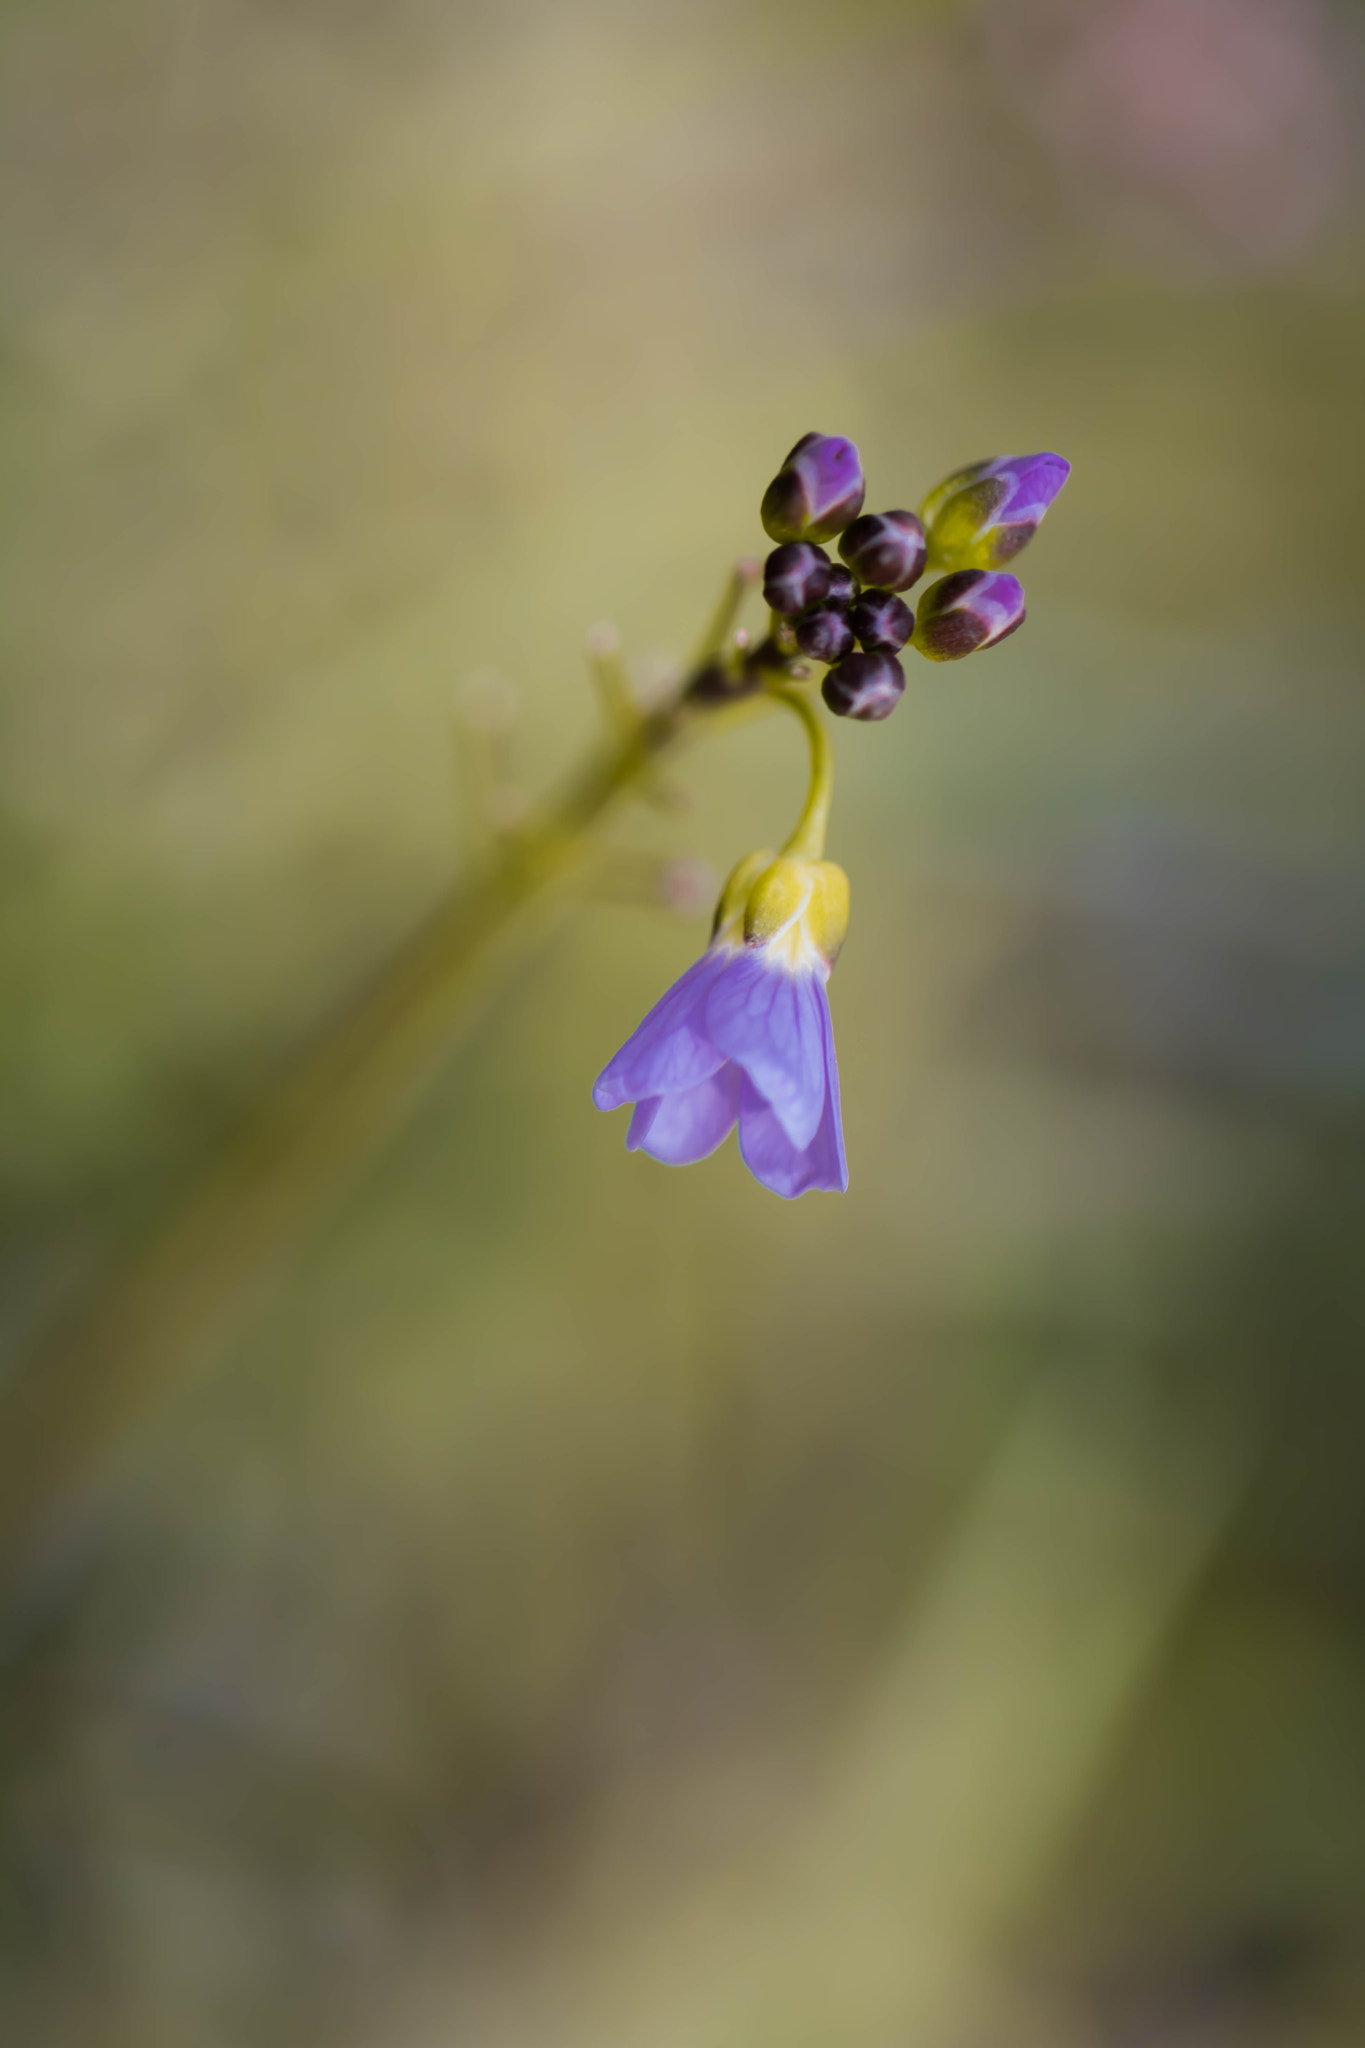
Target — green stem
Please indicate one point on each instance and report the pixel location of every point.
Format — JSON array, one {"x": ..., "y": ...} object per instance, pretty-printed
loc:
[
  {"x": 807, "y": 841},
  {"x": 720, "y": 625},
  {"x": 70, "y": 1405}
]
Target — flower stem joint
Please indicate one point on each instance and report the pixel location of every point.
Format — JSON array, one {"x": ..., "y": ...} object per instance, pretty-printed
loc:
[{"x": 744, "y": 1037}]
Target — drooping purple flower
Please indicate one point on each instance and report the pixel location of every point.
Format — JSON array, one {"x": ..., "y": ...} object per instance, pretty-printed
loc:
[
  {"x": 818, "y": 489},
  {"x": 967, "y": 611},
  {"x": 745, "y": 1036},
  {"x": 981, "y": 516}
]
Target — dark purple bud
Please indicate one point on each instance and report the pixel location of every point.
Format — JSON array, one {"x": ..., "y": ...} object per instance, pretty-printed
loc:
[
  {"x": 885, "y": 550},
  {"x": 795, "y": 577},
  {"x": 818, "y": 489},
  {"x": 971, "y": 609},
  {"x": 825, "y": 635},
  {"x": 882, "y": 621},
  {"x": 864, "y": 686},
  {"x": 842, "y": 588}
]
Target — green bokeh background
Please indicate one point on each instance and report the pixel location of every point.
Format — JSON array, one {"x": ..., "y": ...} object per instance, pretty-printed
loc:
[{"x": 586, "y": 1603}]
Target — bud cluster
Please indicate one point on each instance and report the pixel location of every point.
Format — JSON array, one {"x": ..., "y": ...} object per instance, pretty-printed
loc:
[{"x": 850, "y": 614}]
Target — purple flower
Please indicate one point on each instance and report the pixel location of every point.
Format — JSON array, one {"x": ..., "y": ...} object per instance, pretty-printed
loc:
[
  {"x": 981, "y": 516},
  {"x": 745, "y": 1036},
  {"x": 818, "y": 489}
]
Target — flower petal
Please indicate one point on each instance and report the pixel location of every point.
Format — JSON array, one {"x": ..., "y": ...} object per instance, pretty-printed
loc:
[
  {"x": 681, "y": 1128},
  {"x": 771, "y": 1157},
  {"x": 772, "y": 1023},
  {"x": 829, "y": 1139},
  {"x": 670, "y": 1049}
]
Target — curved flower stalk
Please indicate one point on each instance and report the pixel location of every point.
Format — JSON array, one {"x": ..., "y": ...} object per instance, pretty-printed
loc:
[{"x": 745, "y": 1036}]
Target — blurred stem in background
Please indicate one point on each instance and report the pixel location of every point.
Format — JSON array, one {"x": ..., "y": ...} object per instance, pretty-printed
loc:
[{"x": 68, "y": 1409}]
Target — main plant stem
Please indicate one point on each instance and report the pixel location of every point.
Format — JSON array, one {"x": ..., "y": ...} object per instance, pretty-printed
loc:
[{"x": 73, "y": 1404}]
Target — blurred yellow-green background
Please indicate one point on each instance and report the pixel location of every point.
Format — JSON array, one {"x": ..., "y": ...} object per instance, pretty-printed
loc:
[{"x": 579, "y": 1602}]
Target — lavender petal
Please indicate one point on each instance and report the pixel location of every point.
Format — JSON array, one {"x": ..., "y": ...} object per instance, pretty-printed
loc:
[
  {"x": 682, "y": 1128},
  {"x": 771, "y": 1157},
  {"x": 771, "y": 1023},
  {"x": 670, "y": 1049}
]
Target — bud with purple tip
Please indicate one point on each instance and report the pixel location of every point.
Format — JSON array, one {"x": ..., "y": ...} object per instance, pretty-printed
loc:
[
  {"x": 981, "y": 516},
  {"x": 795, "y": 577},
  {"x": 882, "y": 621},
  {"x": 818, "y": 489},
  {"x": 966, "y": 611},
  {"x": 885, "y": 550},
  {"x": 866, "y": 686},
  {"x": 824, "y": 634}
]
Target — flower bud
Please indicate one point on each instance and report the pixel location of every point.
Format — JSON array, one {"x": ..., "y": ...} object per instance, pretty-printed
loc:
[
  {"x": 818, "y": 489},
  {"x": 965, "y": 611},
  {"x": 981, "y": 516},
  {"x": 795, "y": 577},
  {"x": 865, "y": 686},
  {"x": 881, "y": 621},
  {"x": 824, "y": 634},
  {"x": 885, "y": 550},
  {"x": 842, "y": 588}
]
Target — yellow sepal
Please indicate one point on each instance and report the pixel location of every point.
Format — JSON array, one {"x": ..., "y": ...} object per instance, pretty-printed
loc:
[
  {"x": 728, "y": 923},
  {"x": 827, "y": 916},
  {"x": 801, "y": 906}
]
